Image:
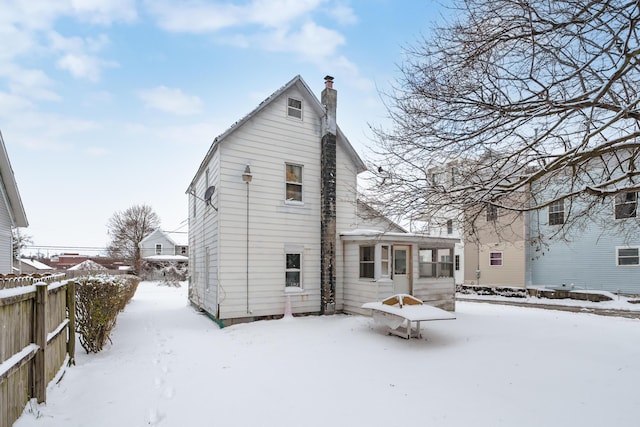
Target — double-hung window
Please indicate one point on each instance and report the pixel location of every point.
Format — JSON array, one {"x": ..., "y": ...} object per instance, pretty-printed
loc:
[
  {"x": 158, "y": 249},
  {"x": 450, "y": 226},
  {"x": 626, "y": 205},
  {"x": 294, "y": 108},
  {"x": 293, "y": 185},
  {"x": 385, "y": 261},
  {"x": 556, "y": 213},
  {"x": 367, "y": 262},
  {"x": 495, "y": 259},
  {"x": 293, "y": 270},
  {"x": 627, "y": 256}
]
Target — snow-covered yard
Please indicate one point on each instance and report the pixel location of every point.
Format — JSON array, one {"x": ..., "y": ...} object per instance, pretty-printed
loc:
[{"x": 493, "y": 366}]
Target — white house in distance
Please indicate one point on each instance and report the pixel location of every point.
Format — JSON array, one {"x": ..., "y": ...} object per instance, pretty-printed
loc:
[
  {"x": 161, "y": 242},
  {"x": 161, "y": 248},
  {"x": 273, "y": 221},
  {"x": 12, "y": 212}
]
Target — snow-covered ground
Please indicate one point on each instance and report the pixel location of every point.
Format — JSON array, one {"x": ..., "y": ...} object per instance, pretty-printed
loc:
[{"x": 494, "y": 365}]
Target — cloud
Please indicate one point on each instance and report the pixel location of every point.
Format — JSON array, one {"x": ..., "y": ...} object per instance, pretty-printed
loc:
[
  {"x": 83, "y": 66},
  {"x": 200, "y": 17},
  {"x": 170, "y": 100},
  {"x": 78, "y": 55}
]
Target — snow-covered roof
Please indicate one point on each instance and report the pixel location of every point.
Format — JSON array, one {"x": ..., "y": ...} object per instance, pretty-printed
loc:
[
  {"x": 35, "y": 264},
  {"x": 88, "y": 265},
  {"x": 166, "y": 258},
  {"x": 387, "y": 236}
]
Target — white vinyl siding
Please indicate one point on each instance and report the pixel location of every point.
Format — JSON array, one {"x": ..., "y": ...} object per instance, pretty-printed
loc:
[
  {"x": 6, "y": 256},
  {"x": 268, "y": 141}
]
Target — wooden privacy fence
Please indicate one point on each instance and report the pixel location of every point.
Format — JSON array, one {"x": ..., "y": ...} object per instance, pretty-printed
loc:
[{"x": 37, "y": 331}]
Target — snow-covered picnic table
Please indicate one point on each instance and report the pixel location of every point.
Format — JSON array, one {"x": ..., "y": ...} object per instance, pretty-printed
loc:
[{"x": 399, "y": 313}]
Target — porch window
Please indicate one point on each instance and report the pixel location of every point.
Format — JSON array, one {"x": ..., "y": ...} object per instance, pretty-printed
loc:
[
  {"x": 159, "y": 249},
  {"x": 556, "y": 213},
  {"x": 626, "y": 205},
  {"x": 293, "y": 183},
  {"x": 367, "y": 262},
  {"x": 495, "y": 259},
  {"x": 435, "y": 262},
  {"x": 293, "y": 271},
  {"x": 627, "y": 256},
  {"x": 492, "y": 212},
  {"x": 385, "y": 261},
  {"x": 294, "y": 108}
]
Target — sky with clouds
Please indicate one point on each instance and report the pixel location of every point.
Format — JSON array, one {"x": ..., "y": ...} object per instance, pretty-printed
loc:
[{"x": 105, "y": 104}]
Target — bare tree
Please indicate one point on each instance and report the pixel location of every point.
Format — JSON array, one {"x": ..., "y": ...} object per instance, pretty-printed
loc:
[
  {"x": 127, "y": 229},
  {"x": 20, "y": 240},
  {"x": 513, "y": 98}
]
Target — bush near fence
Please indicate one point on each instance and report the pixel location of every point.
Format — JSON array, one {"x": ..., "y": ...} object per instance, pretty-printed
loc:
[{"x": 99, "y": 300}]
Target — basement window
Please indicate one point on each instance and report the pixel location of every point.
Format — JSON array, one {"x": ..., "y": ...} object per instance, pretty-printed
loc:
[{"x": 294, "y": 108}]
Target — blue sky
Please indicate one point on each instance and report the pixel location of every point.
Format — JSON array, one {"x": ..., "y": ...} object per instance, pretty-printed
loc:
[{"x": 105, "y": 104}]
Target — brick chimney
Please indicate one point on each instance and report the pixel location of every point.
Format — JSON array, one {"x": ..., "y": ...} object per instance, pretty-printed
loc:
[{"x": 328, "y": 200}]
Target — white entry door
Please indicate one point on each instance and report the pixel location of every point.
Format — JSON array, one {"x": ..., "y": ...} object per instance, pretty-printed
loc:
[{"x": 401, "y": 266}]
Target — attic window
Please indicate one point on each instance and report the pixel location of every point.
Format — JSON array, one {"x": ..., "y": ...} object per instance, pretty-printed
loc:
[{"x": 294, "y": 108}]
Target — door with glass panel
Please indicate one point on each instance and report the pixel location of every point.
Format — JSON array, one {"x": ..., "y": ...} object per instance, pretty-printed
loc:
[{"x": 401, "y": 269}]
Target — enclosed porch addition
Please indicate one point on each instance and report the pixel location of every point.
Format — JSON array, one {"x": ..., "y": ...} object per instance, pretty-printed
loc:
[{"x": 378, "y": 265}]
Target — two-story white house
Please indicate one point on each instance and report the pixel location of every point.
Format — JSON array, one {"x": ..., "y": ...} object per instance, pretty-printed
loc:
[{"x": 273, "y": 220}]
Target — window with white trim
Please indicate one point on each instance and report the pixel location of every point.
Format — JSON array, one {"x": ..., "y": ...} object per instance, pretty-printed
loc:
[
  {"x": 495, "y": 259},
  {"x": 294, "y": 108},
  {"x": 367, "y": 262},
  {"x": 626, "y": 205},
  {"x": 293, "y": 184},
  {"x": 556, "y": 213},
  {"x": 450, "y": 226},
  {"x": 159, "y": 249},
  {"x": 456, "y": 262},
  {"x": 627, "y": 256},
  {"x": 385, "y": 261},
  {"x": 293, "y": 270}
]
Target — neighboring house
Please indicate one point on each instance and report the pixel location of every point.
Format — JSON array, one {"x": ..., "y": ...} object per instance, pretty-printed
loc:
[
  {"x": 601, "y": 254},
  {"x": 161, "y": 249},
  {"x": 161, "y": 242},
  {"x": 496, "y": 254},
  {"x": 273, "y": 220},
  {"x": 31, "y": 266},
  {"x": 12, "y": 212}
]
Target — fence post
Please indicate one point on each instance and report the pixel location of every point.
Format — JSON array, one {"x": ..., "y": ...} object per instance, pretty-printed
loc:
[
  {"x": 40, "y": 330},
  {"x": 71, "y": 326}
]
